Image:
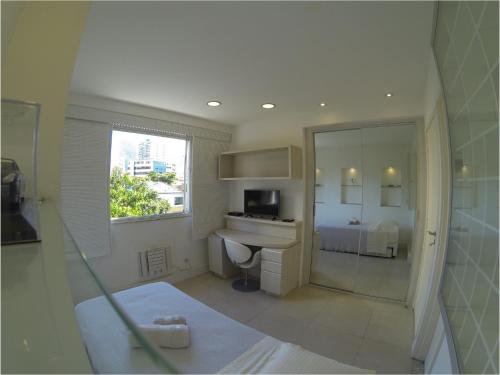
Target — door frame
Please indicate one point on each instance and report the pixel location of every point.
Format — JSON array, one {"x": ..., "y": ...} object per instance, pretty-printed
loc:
[
  {"x": 431, "y": 302},
  {"x": 309, "y": 191}
]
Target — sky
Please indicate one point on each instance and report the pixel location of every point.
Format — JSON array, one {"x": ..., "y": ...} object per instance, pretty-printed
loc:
[{"x": 127, "y": 143}]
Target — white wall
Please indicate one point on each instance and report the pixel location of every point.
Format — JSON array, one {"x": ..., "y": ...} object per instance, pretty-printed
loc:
[
  {"x": 290, "y": 195},
  {"x": 264, "y": 135},
  {"x": 119, "y": 270},
  {"x": 330, "y": 160}
]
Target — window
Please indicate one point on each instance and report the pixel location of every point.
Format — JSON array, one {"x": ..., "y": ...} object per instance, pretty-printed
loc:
[{"x": 149, "y": 175}]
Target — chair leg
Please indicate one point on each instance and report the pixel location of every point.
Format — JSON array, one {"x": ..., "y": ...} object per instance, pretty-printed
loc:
[{"x": 246, "y": 284}]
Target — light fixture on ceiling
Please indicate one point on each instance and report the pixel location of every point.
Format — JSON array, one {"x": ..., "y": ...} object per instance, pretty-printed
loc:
[
  {"x": 322, "y": 104},
  {"x": 214, "y": 103},
  {"x": 388, "y": 94},
  {"x": 268, "y": 105}
]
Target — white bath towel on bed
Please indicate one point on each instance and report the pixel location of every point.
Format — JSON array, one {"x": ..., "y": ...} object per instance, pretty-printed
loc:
[
  {"x": 173, "y": 336},
  {"x": 271, "y": 356},
  {"x": 169, "y": 319}
]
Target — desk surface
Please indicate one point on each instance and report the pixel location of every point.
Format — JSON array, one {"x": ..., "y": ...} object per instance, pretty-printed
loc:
[{"x": 255, "y": 239}]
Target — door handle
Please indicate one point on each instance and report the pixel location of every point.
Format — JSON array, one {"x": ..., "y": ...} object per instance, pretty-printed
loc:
[{"x": 433, "y": 234}]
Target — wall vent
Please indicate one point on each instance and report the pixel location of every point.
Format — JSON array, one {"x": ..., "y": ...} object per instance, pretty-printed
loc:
[{"x": 154, "y": 263}]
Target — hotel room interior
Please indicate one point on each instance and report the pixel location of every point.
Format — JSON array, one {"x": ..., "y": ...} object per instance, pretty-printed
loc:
[{"x": 250, "y": 187}]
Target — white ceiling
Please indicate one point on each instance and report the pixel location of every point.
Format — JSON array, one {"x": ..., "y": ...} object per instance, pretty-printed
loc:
[{"x": 179, "y": 55}]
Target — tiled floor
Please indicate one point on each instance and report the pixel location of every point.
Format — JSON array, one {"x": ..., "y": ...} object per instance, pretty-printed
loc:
[
  {"x": 373, "y": 276},
  {"x": 354, "y": 330}
]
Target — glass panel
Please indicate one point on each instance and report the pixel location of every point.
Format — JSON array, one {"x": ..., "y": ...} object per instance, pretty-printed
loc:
[
  {"x": 31, "y": 338},
  {"x": 19, "y": 133},
  {"x": 113, "y": 341},
  {"x": 338, "y": 208},
  {"x": 470, "y": 82},
  {"x": 389, "y": 193}
]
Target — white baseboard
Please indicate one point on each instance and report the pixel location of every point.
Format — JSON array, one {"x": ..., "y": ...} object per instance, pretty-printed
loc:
[
  {"x": 175, "y": 277},
  {"x": 179, "y": 276}
]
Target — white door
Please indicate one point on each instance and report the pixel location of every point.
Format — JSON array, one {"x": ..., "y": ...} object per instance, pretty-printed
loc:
[{"x": 436, "y": 227}]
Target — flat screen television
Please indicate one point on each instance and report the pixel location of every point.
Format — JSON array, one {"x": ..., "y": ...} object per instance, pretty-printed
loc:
[{"x": 262, "y": 202}]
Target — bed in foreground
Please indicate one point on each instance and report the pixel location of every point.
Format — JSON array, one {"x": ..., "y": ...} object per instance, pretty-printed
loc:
[{"x": 218, "y": 343}]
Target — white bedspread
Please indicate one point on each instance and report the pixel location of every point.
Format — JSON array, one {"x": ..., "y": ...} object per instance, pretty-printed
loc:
[
  {"x": 216, "y": 340},
  {"x": 271, "y": 356}
]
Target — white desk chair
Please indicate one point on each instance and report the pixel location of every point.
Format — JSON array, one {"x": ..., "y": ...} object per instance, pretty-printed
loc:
[{"x": 242, "y": 257}]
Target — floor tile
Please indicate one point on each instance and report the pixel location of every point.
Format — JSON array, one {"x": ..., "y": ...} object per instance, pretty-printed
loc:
[
  {"x": 383, "y": 357},
  {"x": 280, "y": 326},
  {"x": 374, "y": 276},
  {"x": 347, "y": 318},
  {"x": 330, "y": 343},
  {"x": 360, "y": 331}
]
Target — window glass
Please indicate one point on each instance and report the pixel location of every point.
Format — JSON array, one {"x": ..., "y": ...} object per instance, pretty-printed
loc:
[{"x": 148, "y": 175}]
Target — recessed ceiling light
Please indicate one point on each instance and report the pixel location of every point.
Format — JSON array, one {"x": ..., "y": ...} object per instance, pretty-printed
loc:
[
  {"x": 214, "y": 103},
  {"x": 389, "y": 94},
  {"x": 322, "y": 104},
  {"x": 268, "y": 105}
]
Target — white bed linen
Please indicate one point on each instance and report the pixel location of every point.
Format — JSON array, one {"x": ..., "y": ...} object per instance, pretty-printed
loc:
[
  {"x": 271, "y": 356},
  {"x": 216, "y": 340}
]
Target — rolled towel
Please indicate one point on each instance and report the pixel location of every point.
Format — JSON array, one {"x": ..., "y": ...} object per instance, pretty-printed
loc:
[
  {"x": 174, "y": 336},
  {"x": 169, "y": 319}
]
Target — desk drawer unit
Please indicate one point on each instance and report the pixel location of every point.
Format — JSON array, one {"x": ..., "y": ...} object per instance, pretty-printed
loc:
[
  {"x": 279, "y": 270},
  {"x": 273, "y": 255},
  {"x": 271, "y": 282},
  {"x": 270, "y": 266}
]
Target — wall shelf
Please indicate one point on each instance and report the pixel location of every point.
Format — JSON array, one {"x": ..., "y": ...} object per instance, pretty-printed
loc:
[
  {"x": 391, "y": 190},
  {"x": 351, "y": 190},
  {"x": 279, "y": 163}
]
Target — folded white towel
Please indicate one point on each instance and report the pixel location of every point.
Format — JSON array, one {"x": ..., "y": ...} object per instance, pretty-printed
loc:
[
  {"x": 174, "y": 336},
  {"x": 169, "y": 319}
]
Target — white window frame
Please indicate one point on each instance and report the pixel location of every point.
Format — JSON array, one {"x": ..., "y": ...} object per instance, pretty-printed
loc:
[{"x": 187, "y": 177}]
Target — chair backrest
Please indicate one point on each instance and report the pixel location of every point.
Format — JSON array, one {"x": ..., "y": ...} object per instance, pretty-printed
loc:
[{"x": 237, "y": 252}]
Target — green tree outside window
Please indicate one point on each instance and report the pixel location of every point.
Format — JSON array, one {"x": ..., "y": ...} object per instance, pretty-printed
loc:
[{"x": 131, "y": 195}]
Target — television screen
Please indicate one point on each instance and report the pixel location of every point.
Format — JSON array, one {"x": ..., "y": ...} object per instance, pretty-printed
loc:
[{"x": 262, "y": 202}]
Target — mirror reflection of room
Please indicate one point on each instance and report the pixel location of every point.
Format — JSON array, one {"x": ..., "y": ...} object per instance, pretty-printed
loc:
[
  {"x": 338, "y": 202},
  {"x": 364, "y": 210},
  {"x": 19, "y": 208}
]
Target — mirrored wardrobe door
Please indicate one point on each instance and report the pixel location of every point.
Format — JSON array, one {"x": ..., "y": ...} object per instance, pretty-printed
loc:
[
  {"x": 338, "y": 208},
  {"x": 389, "y": 194}
]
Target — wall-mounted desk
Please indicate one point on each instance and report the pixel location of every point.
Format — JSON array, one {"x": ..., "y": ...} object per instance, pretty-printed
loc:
[
  {"x": 256, "y": 239},
  {"x": 280, "y": 244}
]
